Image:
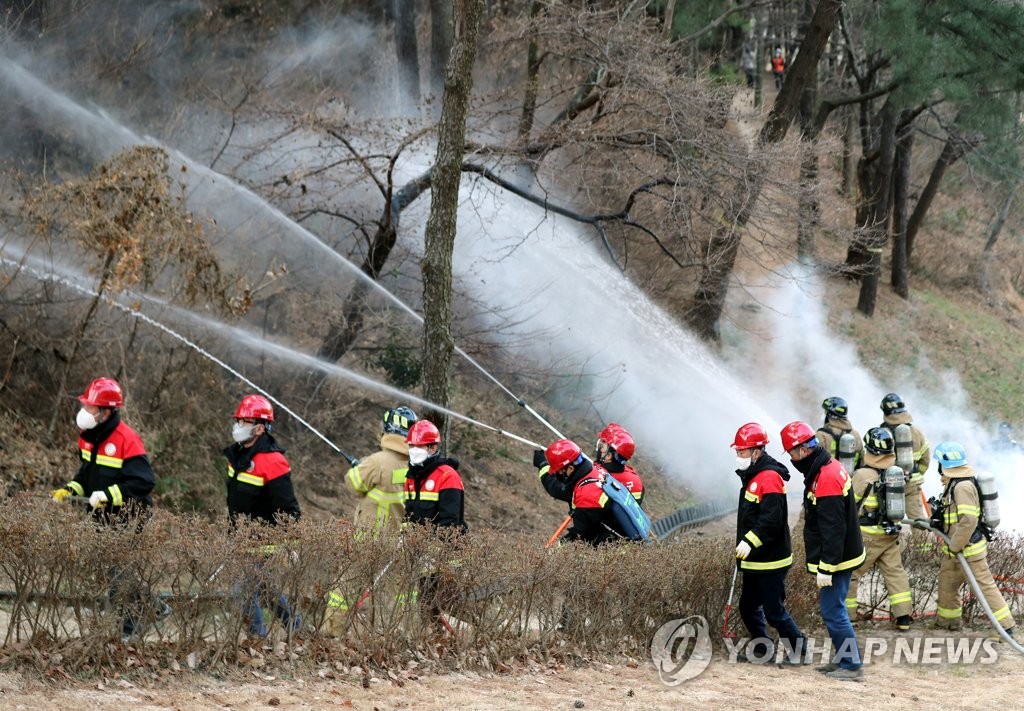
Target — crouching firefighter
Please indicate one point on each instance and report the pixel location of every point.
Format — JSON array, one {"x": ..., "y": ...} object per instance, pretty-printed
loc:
[
  {"x": 878, "y": 489},
  {"x": 959, "y": 515},
  {"x": 603, "y": 510},
  {"x": 764, "y": 551}
]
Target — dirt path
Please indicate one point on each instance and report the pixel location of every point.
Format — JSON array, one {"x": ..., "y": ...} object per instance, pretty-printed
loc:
[{"x": 722, "y": 686}]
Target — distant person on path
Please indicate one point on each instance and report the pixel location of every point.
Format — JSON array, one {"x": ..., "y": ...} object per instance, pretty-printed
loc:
[
  {"x": 778, "y": 67},
  {"x": 259, "y": 488},
  {"x": 116, "y": 477},
  {"x": 764, "y": 552},
  {"x": 748, "y": 63},
  {"x": 378, "y": 480}
]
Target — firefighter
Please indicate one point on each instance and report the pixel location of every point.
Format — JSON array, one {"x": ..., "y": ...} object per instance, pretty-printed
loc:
[
  {"x": 592, "y": 521},
  {"x": 1004, "y": 441},
  {"x": 116, "y": 476},
  {"x": 259, "y": 489},
  {"x": 764, "y": 551},
  {"x": 379, "y": 479},
  {"x": 837, "y": 423},
  {"x": 433, "y": 487},
  {"x": 894, "y": 412},
  {"x": 832, "y": 542},
  {"x": 959, "y": 516},
  {"x": 881, "y": 536},
  {"x": 614, "y": 448}
]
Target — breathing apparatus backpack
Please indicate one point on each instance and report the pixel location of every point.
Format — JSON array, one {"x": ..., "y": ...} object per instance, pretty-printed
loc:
[
  {"x": 988, "y": 520},
  {"x": 630, "y": 518},
  {"x": 889, "y": 490}
]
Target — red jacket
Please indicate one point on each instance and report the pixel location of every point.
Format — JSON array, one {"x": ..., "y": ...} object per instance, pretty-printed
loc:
[
  {"x": 434, "y": 494},
  {"x": 632, "y": 481},
  {"x": 778, "y": 65}
]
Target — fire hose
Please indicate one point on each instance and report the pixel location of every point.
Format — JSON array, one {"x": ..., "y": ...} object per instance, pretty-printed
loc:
[{"x": 925, "y": 525}]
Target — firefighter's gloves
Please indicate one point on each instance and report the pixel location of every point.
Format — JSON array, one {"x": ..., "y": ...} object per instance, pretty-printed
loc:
[
  {"x": 98, "y": 499},
  {"x": 824, "y": 580},
  {"x": 539, "y": 460},
  {"x": 59, "y": 495},
  {"x": 743, "y": 550}
]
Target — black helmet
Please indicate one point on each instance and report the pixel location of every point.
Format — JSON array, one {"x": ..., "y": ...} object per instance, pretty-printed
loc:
[
  {"x": 398, "y": 420},
  {"x": 879, "y": 440},
  {"x": 893, "y": 403},
  {"x": 836, "y": 407}
]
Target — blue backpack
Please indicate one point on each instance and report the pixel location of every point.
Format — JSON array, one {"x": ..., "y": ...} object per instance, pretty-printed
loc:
[{"x": 631, "y": 519}]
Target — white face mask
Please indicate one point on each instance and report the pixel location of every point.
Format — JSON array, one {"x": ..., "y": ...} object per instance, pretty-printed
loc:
[
  {"x": 241, "y": 433},
  {"x": 85, "y": 420},
  {"x": 418, "y": 455},
  {"x": 742, "y": 463}
]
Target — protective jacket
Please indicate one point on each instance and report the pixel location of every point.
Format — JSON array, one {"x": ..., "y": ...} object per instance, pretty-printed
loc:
[
  {"x": 922, "y": 450},
  {"x": 379, "y": 482},
  {"x": 260, "y": 482},
  {"x": 558, "y": 487},
  {"x": 592, "y": 520},
  {"x": 778, "y": 64},
  {"x": 829, "y": 434},
  {"x": 831, "y": 532},
  {"x": 434, "y": 493},
  {"x": 762, "y": 516},
  {"x": 961, "y": 513},
  {"x": 114, "y": 461}
]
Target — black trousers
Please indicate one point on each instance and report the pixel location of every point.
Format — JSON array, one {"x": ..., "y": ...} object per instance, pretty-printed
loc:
[{"x": 763, "y": 603}]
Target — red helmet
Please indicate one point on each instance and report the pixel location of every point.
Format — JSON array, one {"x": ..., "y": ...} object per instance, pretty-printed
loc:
[
  {"x": 749, "y": 436},
  {"x": 102, "y": 392},
  {"x": 619, "y": 439},
  {"x": 796, "y": 433},
  {"x": 423, "y": 432},
  {"x": 561, "y": 453},
  {"x": 255, "y": 407}
]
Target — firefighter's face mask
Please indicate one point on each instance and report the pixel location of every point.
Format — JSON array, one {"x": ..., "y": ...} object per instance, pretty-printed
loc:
[
  {"x": 243, "y": 431},
  {"x": 86, "y": 420},
  {"x": 418, "y": 455}
]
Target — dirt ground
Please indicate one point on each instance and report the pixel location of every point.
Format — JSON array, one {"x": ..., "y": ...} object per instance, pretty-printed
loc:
[{"x": 629, "y": 685}]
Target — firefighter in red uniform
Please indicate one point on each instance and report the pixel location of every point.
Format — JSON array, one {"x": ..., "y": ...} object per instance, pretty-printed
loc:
[
  {"x": 615, "y": 447},
  {"x": 592, "y": 521},
  {"x": 764, "y": 551},
  {"x": 116, "y": 476},
  {"x": 259, "y": 487},
  {"x": 433, "y": 487},
  {"x": 832, "y": 540}
]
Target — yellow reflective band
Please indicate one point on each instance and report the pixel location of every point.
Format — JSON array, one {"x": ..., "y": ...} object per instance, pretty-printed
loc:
[
  {"x": 968, "y": 510},
  {"x": 949, "y": 613},
  {"x": 638, "y": 495},
  {"x": 407, "y": 598},
  {"x": 769, "y": 565},
  {"x": 77, "y": 488},
  {"x": 116, "y": 499},
  {"x": 845, "y": 565},
  {"x": 812, "y": 567},
  {"x": 873, "y": 530},
  {"x": 900, "y": 597},
  {"x": 424, "y": 496},
  {"x": 750, "y": 497},
  {"x": 337, "y": 601},
  {"x": 871, "y": 501},
  {"x": 244, "y": 478},
  {"x": 1002, "y": 613},
  {"x": 111, "y": 462},
  {"x": 752, "y": 537},
  {"x": 851, "y": 602},
  {"x": 356, "y": 480},
  {"x": 398, "y": 475},
  {"x": 543, "y": 470},
  {"x": 603, "y": 500}
]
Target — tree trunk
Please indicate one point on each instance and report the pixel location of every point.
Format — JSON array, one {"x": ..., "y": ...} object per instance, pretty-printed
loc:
[
  {"x": 849, "y": 164},
  {"x": 441, "y": 29},
  {"x": 407, "y": 54},
  {"x": 955, "y": 149},
  {"x": 987, "y": 254},
  {"x": 879, "y": 197},
  {"x": 439, "y": 242},
  {"x": 709, "y": 299},
  {"x": 808, "y": 211},
  {"x": 901, "y": 184},
  {"x": 532, "y": 70}
]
